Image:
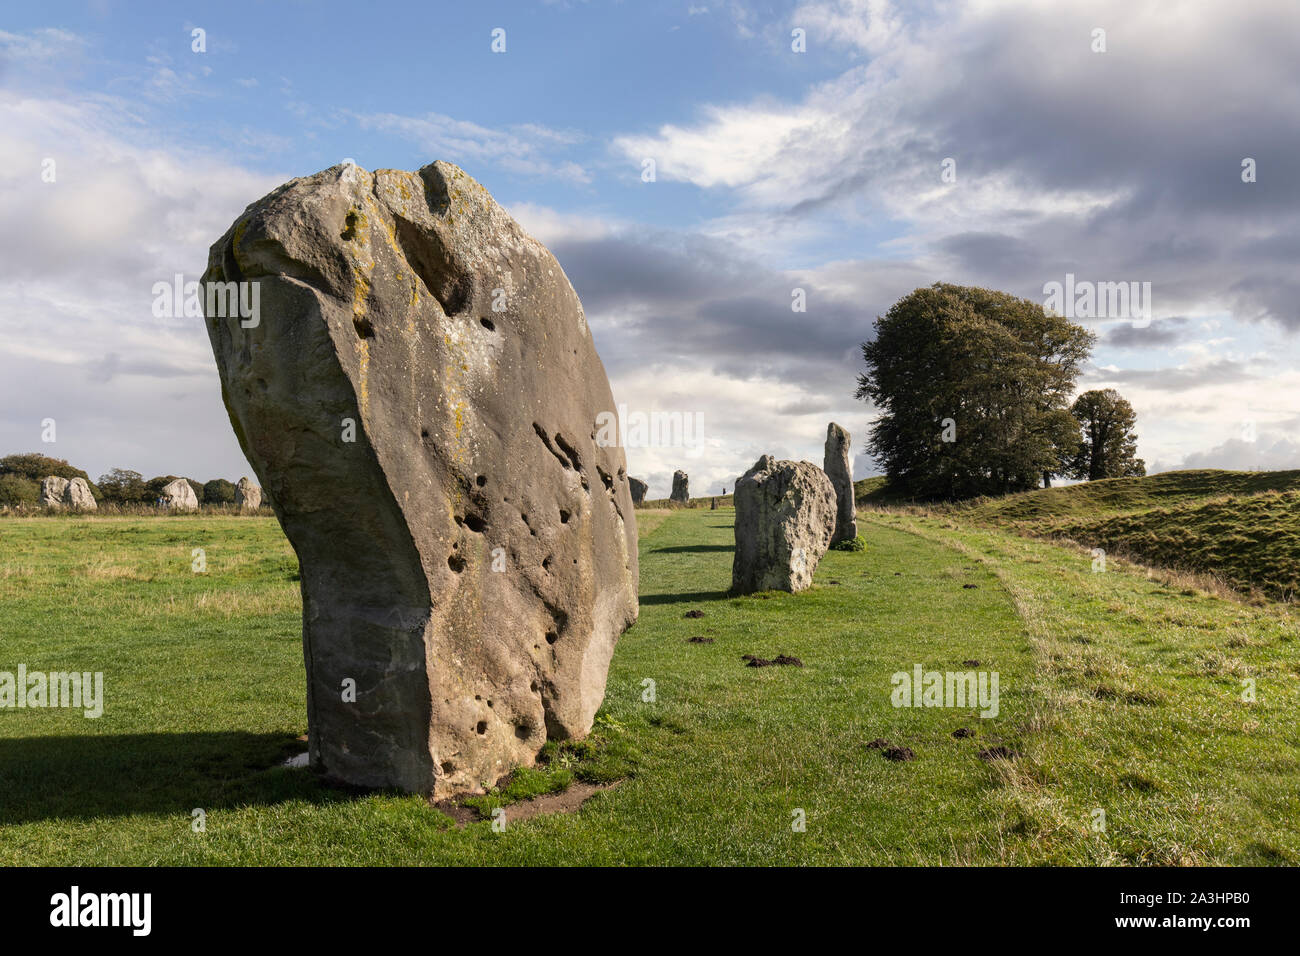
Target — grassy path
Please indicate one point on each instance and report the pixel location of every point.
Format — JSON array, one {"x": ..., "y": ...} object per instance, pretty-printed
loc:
[
  {"x": 205, "y": 695},
  {"x": 1141, "y": 685}
]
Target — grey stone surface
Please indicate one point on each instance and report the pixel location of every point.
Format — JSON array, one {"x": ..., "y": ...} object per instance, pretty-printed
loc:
[
  {"x": 469, "y": 559},
  {"x": 839, "y": 469},
  {"x": 248, "y": 496},
  {"x": 77, "y": 496},
  {"x": 681, "y": 492},
  {"x": 52, "y": 489},
  {"x": 639, "y": 489},
  {"x": 785, "y": 514},
  {"x": 179, "y": 496}
]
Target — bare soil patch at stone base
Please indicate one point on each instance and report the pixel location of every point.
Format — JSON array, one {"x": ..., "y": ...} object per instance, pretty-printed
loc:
[{"x": 569, "y": 800}]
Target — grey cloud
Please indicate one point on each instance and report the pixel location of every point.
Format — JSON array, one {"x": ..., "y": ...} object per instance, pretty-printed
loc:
[
  {"x": 1264, "y": 454},
  {"x": 1160, "y": 332},
  {"x": 694, "y": 301},
  {"x": 1222, "y": 372},
  {"x": 1158, "y": 126},
  {"x": 112, "y": 365}
]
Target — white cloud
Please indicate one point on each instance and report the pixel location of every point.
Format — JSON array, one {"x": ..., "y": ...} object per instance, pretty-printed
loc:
[
  {"x": 523, "y": 148},
  {"x": 80, "y": 343}
]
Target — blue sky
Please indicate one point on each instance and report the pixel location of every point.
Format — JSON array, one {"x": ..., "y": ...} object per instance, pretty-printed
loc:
[{"x": 818, "y": 170}]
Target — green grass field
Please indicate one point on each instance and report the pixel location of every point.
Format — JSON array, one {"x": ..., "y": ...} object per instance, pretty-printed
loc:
[{"x": 1122, "y": 692}]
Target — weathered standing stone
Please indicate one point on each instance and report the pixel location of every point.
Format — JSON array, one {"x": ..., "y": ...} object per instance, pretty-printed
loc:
[
  {"x": 179, "y": 496},
  {"x": 52, "y": 489},
  {"x": 248, "y": 496},
  {"x": 681, "y": 488},
  {"x": 77, "y": 496},
  {"x": 785, "y": 513},
  {"x": 639, "y": 489},
  {"x": 839, "y": 469},
  {"x": 420, "y": 399}
]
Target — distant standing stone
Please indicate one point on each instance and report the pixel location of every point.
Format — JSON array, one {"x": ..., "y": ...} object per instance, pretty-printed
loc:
[
  {"x": 639, "y": 489},
  {"x": 785, "y": 513},
  {"x": 681, "y": 490},
  {"x": 839, "y": 469},
  {"x": 248, "y": 496},
  {"x": 714, "y": 506},
  {"x": 179, "y": 496},
  {"x": 52, "y": 489},
  {"x": 77, "y": 496}
]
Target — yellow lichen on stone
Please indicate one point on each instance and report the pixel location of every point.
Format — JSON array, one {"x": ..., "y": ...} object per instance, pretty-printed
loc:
[{"x": 363, "y": 378}]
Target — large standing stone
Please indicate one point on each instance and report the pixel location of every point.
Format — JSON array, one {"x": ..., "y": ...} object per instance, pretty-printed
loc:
[
  {"x": 420, "y": 399},
  {"x": 839, "y": 469},
  {"x": 179, "y": 496},
  {"x": 77, "y": 496},
  {"x": 639, "y": 489},
  {"x": 681, "y": 488},
  {"x": 785, "y": 513},
  {"x": 52, "y": 489},
  {"x": 248, "y": 496}
]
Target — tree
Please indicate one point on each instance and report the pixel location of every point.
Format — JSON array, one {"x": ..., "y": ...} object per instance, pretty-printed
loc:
[
  {"x": 1107, "y": 447},
  {"x": 35, "y": 467},
  {"x": 123, "y": 486},
  {"x": 218, "y": 491},
  {"x": 17, "y": 490},
  {"x": 973, "y": 388}
]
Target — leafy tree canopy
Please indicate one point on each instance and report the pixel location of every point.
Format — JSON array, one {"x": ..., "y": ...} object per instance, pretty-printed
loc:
[
  {"x": 1107, "y": 446},
  {"x": 972, "y": 388},
  {"x": 34, "y": 467}
]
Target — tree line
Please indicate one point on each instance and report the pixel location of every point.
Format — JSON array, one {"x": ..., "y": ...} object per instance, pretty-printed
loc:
[
  {"x": 973, "y": 389},
  {"x": 21, "y": 476}
]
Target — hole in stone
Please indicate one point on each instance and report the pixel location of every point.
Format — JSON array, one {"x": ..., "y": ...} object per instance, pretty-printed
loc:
[
  {"x": 481, "y": 480},
  {"x": 533, "y": 687},
  {"x": 477, "y": 697},
  {"x": 363, "y": 326},
  {"x": 523, "y": 731},
  {"x": 489, "y": 703},
  {"x": 349, "y": 226},
  {"x": 551, "y": 637},
  {"x": 448, "y": 767},
  {"x": 475, "y": 523},
  {"x": 487, "y": 324},
  {"x": 482, "y": 727},
  {"x": 564, "y": 516},
  {"x": 546, "y": 563},
  {"x": 456, "y": 563}
]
